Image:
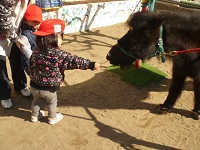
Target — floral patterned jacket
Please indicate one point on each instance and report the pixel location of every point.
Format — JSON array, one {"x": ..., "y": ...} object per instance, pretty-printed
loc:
[{"x": 47, "y": 68}]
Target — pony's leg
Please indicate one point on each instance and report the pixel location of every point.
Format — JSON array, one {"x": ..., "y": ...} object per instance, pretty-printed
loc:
[
  {"x": 196, "y": 110},
  {"x": 175, "y": 89}
]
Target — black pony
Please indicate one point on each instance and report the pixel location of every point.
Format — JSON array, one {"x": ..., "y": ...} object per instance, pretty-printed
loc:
[{"x": 170, "y": 31}]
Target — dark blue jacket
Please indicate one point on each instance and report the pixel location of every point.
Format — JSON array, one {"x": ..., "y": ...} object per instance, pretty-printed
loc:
[{"x": 28, "y": 32}]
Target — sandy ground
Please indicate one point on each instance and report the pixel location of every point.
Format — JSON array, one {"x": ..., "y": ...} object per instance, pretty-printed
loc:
[{"x": 101, "y": 112}]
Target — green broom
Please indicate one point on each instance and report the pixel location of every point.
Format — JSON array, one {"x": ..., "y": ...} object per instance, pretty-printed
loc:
[{"x": 139, "y": 77}]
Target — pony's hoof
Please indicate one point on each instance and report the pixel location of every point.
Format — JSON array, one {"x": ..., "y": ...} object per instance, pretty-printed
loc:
[
  {"x": 162, "y": 110},
  {"x": 195, "y": 115}
]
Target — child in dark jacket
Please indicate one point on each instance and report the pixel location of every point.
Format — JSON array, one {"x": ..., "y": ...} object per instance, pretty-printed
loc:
[
  {"x": 32, "y": 20},
  {"x": 18, "y": 61},
  {"x": 47, "y": 65}
]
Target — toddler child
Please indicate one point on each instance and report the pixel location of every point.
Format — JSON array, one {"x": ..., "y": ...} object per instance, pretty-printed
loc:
[
  {"x": 32, "y": 20},
  {"x": 47, "y": 65}
]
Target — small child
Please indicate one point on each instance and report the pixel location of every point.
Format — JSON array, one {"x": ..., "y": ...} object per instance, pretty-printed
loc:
[
  {"x": 47, "y": 65},
  {"x": 32, "y": 20}
]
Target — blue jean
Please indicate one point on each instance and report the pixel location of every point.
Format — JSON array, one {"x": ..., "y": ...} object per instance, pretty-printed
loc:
[{"x": 41, "y": 98}]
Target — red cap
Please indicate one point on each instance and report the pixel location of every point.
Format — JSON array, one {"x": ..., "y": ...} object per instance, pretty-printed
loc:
[
  {"x": 50, "y": 26},
  {"x": 33, "y": 13}
]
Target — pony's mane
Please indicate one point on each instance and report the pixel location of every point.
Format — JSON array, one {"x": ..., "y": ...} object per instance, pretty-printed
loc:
[{"x": 143, "y": 18}]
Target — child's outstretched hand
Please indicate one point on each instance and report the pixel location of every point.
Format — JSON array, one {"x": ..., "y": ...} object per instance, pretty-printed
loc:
[{"x": 96, "y": 66}]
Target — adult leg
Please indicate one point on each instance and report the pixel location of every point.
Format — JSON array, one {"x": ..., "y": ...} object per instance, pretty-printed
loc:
[{"x": 5, "y": 88}]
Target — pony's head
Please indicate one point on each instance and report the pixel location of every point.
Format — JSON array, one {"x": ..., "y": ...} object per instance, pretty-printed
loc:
[{"x": 139, "y": 42}]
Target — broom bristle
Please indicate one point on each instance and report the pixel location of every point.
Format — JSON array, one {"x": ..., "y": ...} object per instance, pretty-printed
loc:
[{"x": 139, "y": 77}]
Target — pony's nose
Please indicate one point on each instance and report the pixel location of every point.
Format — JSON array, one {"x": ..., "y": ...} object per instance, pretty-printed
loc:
[{"x": 108, "y": 56}]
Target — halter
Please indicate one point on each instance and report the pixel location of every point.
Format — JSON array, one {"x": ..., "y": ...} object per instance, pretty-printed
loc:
[
  {"x": 159, "y": 48},
  {"x": 128, "y": 53}
]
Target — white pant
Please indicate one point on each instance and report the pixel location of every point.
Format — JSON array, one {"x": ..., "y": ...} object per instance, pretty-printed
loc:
[{"x": 5, "y": 47}]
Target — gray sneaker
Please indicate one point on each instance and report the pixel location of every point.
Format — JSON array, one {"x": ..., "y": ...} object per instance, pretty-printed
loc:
[
  {"x": 58, "y": 117},
  {"x": 26, "y": 92},
  {"x": 7, "y": 103},
  {"x": 41, "y": 114}
]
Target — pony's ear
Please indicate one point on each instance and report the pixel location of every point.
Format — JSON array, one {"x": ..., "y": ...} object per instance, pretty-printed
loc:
[
  {"x": 153, "y": 25},
  {"x": 145, "y": 19},
  {"x": 138, "y": 19},
  {"x": 156, "y": 22}
]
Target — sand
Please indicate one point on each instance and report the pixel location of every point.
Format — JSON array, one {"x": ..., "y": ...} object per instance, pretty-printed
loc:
[{"x": 101, "y": 112}]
